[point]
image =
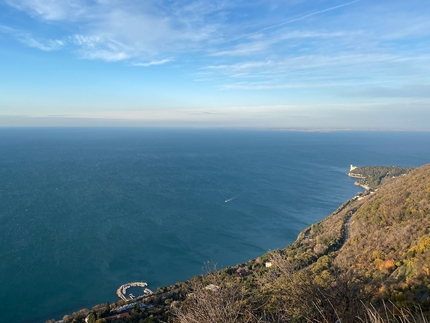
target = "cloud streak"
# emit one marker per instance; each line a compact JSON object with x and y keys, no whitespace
{"x":153,"y":63}
{"x":298,"y":19}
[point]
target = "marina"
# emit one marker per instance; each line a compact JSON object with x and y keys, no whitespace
{"x":121,"y":292}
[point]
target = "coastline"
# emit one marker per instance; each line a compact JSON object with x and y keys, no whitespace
{"x":123,"y":305}
{"x":355,"y":175}
{"x":370,"y":177}
{"x":357,"y":183}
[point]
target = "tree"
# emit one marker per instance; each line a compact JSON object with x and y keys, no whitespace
{"x":92,"y":318}
{"x":107,"y":308}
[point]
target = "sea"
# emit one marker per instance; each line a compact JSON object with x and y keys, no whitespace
{"x":85,"y":210}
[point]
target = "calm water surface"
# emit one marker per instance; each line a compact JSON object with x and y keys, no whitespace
{"x":83,"y":211}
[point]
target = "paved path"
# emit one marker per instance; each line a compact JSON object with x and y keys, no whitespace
{"x":346,"y":227}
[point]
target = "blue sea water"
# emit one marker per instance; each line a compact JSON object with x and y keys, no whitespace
{"x":83,"y":211}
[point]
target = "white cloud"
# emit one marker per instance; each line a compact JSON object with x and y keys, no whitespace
{"x":120,"y":30}
{"x":152,"y":63}
{"x":310,"y":47}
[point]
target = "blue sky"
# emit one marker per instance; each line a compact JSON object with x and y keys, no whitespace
{"x":273,"y":64}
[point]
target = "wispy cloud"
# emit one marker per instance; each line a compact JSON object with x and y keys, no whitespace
{"x":245,"y":49}
{"x":258,"y":45}
{"x":351,"y":72}
{"x":314,"y":62}
{"x":45,"y":45}
{"x":244,"y":45}
{"x":241,"y":66}
{"x":51,"y":10}
{"x":97,"y":47}
{"x":152,"y":63}
{"x":29,"y":40}
{"x":121,"y":30}
{"x":125,"y":30}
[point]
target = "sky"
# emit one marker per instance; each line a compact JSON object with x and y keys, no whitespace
{"x":292,"y":64}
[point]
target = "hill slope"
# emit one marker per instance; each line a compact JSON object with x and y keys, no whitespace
{"x":390,"y":238}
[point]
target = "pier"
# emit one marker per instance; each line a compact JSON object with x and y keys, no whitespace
{"x":122,"y":290}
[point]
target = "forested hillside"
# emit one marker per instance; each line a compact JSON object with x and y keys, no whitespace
{"x":372,"y":176}
{"x":390,"y":239}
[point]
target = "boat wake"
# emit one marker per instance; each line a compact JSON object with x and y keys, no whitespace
{"x":233,"y":198}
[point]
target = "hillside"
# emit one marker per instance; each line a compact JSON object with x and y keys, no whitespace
{"x":373,"y":248}
{"x":390,"y":240}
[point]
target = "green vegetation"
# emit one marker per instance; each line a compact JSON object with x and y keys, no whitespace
{"x":373,"y":176}
{"x":368,"y":261}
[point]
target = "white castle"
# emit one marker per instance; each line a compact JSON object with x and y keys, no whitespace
{"x":352,"y":168}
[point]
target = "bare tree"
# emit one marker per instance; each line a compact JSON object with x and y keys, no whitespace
{"x":214,"y":300}
{"x":327,"y":296}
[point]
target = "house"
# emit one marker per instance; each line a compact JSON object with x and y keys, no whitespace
{"x":212,"y":287}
